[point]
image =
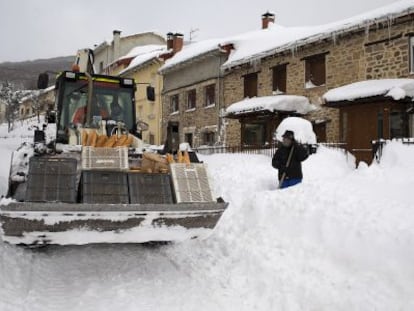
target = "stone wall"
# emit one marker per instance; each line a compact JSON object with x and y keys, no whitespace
{"x":380,"y":53}
{"x":197,"y":120}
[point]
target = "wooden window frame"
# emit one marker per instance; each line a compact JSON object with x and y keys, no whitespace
{"x":207,"y":141}
{"x":279,"y":78}
{"x":191,"y":96}
{"x":315,"y":77}
{"x":174,"y":105}
{"x":250,"y":90}
{"x":210,"y":91}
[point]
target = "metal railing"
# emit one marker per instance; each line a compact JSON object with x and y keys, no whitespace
{"x":268,"y":150}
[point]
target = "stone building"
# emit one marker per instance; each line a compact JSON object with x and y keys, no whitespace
{"x":192,"y":92}
{"x":312,"y":61}
{"x":38,"y":101}
{"x":272,"y":64}
{"x":108,"y":51}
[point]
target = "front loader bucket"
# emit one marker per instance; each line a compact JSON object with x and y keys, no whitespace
{"x":32,"y":223}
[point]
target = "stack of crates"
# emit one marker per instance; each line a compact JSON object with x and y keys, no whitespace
{"x":191,"y":183}
{"x":150,"y":188}
{"x":104,"y":179}
{"x":51,"y":180}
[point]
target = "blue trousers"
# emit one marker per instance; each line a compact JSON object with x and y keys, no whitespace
{"x":290,"y":182}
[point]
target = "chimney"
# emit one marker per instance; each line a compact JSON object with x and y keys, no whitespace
{"x":178,"y":42}
{"x":267,"y":18}
{"x":170,"y":39}
{"x":117,"y":44}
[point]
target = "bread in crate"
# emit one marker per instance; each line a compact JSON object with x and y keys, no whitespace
{"x":103,"y":158}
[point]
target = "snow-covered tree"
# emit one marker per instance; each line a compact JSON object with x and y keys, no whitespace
{"x":12,"y":100}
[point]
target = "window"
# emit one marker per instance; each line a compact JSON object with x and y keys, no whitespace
{"x":209,"y":138}
{"x":210,"y":98}
{"x":101,"y":67}
{"x":315,"y":71}
{"x":174,"y":103}
{"x":279,"y":79}
{"x":188,"y":137}
{"x":254,"y":134}
{"x":191,"y":99}
{"x":398,"y":124}
{"x":151,"y":139}
{"x":412,"y":54}
{"x":250,"y":85}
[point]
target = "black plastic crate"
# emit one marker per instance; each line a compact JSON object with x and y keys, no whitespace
{"x":104,"y":187}
{"x":51,"y":180}
{"x":150,"y":188}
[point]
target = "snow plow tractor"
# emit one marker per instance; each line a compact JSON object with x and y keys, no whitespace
{"x":94,"y":183}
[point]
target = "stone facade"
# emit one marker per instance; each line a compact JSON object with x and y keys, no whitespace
{"x":203,"y":123}
{"x":382,"y":52}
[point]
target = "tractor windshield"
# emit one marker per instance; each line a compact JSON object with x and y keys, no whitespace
{"x":109,"y":102}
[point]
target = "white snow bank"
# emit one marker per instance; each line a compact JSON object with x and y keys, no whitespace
{"x":302,"y":129}
{"x":290,"y":103}
{"x":394,"y":88}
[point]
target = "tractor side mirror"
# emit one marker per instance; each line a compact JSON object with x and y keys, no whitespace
{"x":42,"y":81}
{"x":150,"y":93}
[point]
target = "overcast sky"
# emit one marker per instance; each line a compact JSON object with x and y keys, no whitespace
{"x":32,"y":29}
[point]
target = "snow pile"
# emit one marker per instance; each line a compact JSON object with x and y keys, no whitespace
{"x":290,"y":103}
{"x":394,"y":88}
{"x":191,"y":51}
{"x":302,"y":129}
{"x":142,"y":59}
{"x":341,"y":240}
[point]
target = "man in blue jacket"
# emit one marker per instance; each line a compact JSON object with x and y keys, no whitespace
{"x":288,"y":161}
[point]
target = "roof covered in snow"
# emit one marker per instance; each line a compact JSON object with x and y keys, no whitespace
{"x":288,"y":103}
{"x":395,"y":88}
{"x":143,"y":55}
{"x":143,"y":49}
{"x":257,"y":44}
{"x":192,"y":51}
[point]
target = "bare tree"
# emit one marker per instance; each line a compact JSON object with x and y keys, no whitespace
{"x":12,"y":100}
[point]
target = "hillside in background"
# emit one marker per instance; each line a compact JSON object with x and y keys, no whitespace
{"x":24,"y":74}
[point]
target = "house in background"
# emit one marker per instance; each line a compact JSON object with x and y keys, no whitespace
{"x":37,"y":102}
{"x":107,"y":52}
{"x":310,"y":61}
{"x":192,"y":92}
{"x":142,"y":64}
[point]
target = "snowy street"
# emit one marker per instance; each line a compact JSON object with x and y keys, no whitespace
{"x":342,"y":240}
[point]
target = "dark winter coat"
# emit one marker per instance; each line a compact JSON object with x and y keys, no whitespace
{"x":294,"y":171}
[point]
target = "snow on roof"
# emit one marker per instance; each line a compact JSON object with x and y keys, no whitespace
{"x":395,"y":88}
{"x":50,"y":88}
{"x":289,"y":103}
{"x":276,"y":38}
{"x":142,"y":59}
{"x":264,"y":42}
{"x":191,"y":51}
{"x":143,"y":49}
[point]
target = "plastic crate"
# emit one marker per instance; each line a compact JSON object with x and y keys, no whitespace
{"x":51,"y":180}
{"x":101,"y":158}
{"x":191,"y":183}
{"x":150,"y":188}
{"x":104,"y":187}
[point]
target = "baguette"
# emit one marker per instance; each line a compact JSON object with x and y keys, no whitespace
{"x":92,"y":137}
{"x":110,"y":142}
{"x":121,"y":141}
{"x":84,"y":138}
{"x":100,"y":142}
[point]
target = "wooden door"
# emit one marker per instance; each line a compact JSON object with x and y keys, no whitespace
{"x":320,"y":131}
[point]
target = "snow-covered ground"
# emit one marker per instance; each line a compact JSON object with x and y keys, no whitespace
{"x":342,"y":240}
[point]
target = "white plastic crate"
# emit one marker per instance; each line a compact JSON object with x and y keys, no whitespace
{"x":102,"y":158}
{"x":191,"y":183}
